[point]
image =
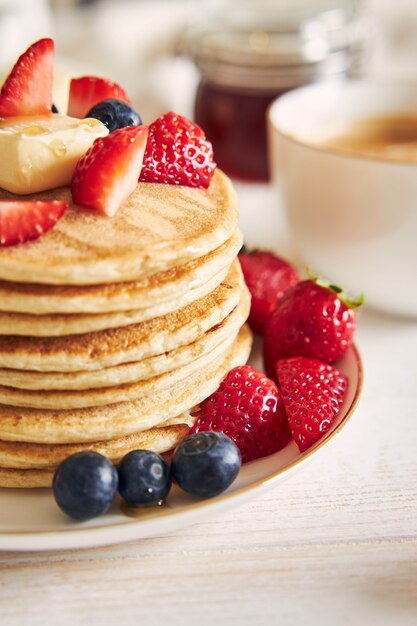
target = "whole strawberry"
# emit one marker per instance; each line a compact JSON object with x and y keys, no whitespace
{"x":248,"y":408}
{"x":313,"y":394}
{"x":311,"y":320}
{"x":177,"y":153}
{"x":268,"y":277}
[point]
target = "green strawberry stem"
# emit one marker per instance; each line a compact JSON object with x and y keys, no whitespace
{"x":341,"y":294}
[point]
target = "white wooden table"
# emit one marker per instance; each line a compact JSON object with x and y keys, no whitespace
{"x":335,"y":544}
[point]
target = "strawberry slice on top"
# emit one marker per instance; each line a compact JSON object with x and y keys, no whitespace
{"x":313,"y":394}
{"x":28,"y":88}
{"x":23,"y":220}
{"x":87,"y":91}
{"x":177,"y":153}
{"x":108,"y":172}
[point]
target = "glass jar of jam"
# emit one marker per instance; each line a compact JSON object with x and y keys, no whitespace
{"x":249,"y":52}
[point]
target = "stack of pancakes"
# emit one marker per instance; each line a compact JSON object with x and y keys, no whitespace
{"x":113,"y":329}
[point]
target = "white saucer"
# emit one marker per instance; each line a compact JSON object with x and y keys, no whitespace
{"x":30,"y":519}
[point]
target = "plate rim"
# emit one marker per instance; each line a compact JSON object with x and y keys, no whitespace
{"x":101,"y":534}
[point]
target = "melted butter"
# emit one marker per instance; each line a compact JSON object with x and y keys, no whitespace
{"x":34,"y":130}
{"x":58,"y":147}
{"x":91,"y":122}
{"x":42,"y":150}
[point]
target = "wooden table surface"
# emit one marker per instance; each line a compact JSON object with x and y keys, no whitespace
{"x":335,"y":544}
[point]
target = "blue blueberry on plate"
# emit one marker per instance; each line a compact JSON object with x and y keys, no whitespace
{"x":144,"y":478}
{"x":84,"y":485}
{"x":115,"y":114}
{"x":206,"y":463}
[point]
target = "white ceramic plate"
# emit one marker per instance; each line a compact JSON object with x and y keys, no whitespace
{"x":30,"y":519}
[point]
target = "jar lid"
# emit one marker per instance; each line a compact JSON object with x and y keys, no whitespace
{"x":260,"y":43}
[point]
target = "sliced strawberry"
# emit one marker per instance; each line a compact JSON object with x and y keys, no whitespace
{"x":177,"y":153}
{"x":22,"y":220}
{"x":108,"y":172}
{"x":28,"y":88}
{"x":313,"y":394}
{"x":87,"y":91}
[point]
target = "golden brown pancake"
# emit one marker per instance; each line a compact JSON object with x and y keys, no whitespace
{"x":117,"y":393}
{"x":25,"y":479}
{"x":221,"y":334}
{"x":92,"y":351}
{"x":123,"y":418}
{"x":120,"y":326}
{"x":64,"y":324}
{"x":159,"y":226}
{"x":158,"y":440}
{"x":48,"y":456}
{"x":171,"y":285}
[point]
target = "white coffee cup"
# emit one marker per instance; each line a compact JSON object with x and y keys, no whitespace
{"x":353,"y":218}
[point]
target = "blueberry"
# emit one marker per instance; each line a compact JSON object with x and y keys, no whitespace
{"x":54,"y":109}
{"x":115,"y":114}
{"x":206,"y":463}
{"x":84,"y":485}
{"x":144,"y":478}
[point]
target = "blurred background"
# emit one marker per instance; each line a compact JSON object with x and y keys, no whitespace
{"x":138,"y":42}
{"x":220,"y":62}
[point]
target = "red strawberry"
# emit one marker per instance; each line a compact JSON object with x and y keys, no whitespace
{"x":268,"y":278}
{"x":248,"y":408}
{"x":313,"y":393}
{"x":22,"y":220}
{"x":311,"y":320}
{"x":177,"y":153}
{"x":28,"y":88}
{"x":87,"y":91}
{"x":108,"y":172}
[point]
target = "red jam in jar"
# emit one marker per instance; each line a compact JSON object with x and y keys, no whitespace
{"x":249,"y":56}
{"x":234,"y":121}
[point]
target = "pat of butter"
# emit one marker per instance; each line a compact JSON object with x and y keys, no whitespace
{"x":40,"y":153}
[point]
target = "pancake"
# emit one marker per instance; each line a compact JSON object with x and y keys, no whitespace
{"x":93,"y":351}
{"x":60,"y":325}
{"x":222,"y":334}
{"x":48,"y":456}
{"x":159,"y":226}
{"x":117,"y":393}
{"x":157,"y":439}
{"x":25,"y":479}
{"x":170,"y":285}
{"x":123,"y":418}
